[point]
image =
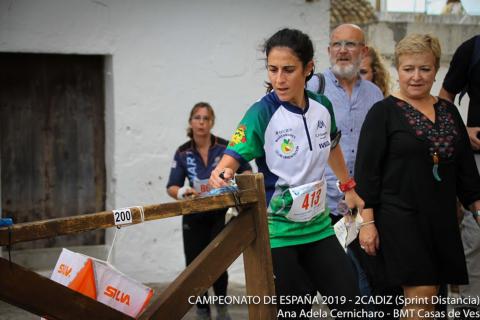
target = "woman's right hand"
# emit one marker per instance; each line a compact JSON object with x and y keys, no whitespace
{"x":216,"y":180}
{"x":227,"y":167}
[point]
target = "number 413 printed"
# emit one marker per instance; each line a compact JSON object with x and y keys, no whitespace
{"x":312,"y":199}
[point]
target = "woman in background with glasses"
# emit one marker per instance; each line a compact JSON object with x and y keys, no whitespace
{"x":195,"y":160}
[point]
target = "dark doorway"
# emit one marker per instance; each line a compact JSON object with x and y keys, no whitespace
{"x":52,"y":137}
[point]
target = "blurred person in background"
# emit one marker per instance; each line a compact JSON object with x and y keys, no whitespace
{"x":195,"y":160}
{"x":453,"y":7}
{"x":374,"y":69}
{"x":463,"y":77}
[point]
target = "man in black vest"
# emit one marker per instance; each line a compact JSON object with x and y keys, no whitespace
{"x":462,"y":77}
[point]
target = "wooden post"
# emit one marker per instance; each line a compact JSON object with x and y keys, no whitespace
{"x":257,"y":257}
{"x":174,"y":302}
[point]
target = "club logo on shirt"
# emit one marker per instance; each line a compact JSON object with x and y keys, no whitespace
{"x":238,"y":136}
{"x":287,"y":148}
{"x":321,"y":130}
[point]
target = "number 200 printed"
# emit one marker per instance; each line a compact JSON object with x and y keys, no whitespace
{"x":122,"y":216}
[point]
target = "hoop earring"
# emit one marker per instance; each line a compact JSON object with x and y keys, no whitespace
{"x":310,"y":75}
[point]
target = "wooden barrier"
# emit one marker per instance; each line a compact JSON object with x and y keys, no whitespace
{"x":247,"y":234}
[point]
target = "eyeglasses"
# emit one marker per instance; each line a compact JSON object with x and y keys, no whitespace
{"x":200,"y":118}
{"x":348,"y":44}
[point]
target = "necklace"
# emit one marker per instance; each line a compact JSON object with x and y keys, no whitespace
{"x":440,"y":135}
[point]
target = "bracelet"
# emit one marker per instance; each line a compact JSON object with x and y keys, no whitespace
{"x":347,"y":186}
{"x":365,"y":223}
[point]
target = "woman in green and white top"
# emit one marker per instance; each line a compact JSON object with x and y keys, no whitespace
{"x":291,"y":134}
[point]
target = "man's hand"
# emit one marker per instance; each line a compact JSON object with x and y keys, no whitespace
{"x":473,"y":136}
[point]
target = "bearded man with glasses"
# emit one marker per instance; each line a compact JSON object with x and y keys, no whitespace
{"x":351,"y":98}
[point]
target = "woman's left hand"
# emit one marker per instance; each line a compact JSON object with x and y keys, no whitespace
{"x":369,"y":240}
{"x":368,"y":236}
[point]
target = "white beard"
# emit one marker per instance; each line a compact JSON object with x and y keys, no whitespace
{"x":345,"y":72}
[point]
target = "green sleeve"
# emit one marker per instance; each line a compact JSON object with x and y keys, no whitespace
{"x":249,"y":137}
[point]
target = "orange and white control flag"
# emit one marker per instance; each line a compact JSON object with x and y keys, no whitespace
{"x":98,"y":280}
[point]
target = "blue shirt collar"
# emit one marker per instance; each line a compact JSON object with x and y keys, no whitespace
{"x":289,"y":106}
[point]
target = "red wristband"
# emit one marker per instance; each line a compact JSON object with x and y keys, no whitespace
{"x":347,"y":186}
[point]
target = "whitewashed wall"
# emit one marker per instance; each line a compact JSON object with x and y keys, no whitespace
{"x":162,"y":57}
